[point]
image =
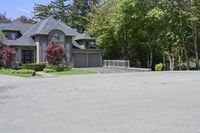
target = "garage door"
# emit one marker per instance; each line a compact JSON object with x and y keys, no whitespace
{"x":80,"y":60}
{"x":94,"y":60}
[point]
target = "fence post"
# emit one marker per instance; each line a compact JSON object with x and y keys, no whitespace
{"x":116,"y":63}
{"x":128,"y":64}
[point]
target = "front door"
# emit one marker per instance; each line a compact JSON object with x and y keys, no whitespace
{"x":27,"y":56}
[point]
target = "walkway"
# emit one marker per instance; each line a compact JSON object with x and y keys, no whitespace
{"x":45,"y":74}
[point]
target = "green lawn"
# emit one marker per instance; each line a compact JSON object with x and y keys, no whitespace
{"x":74,"y":72}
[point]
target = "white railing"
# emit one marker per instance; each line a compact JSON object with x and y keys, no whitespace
{"x":116,"y":63}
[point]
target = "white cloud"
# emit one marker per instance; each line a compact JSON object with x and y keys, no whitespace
{"x":24,"y":10}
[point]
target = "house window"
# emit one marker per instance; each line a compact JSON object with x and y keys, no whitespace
{"x":27,"y":56}
{"x":11,"y":35}
{"x":56,"y":36}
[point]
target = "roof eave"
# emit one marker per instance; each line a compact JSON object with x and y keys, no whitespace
{"x":48,"y":34}
{"x":22,"y":45}
{"x":85,"y":39}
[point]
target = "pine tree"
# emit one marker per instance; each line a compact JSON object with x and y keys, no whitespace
{"x":79,"y":10}
{"x":56,"y":8}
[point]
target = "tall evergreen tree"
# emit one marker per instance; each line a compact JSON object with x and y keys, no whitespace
{"x":78,"y":15}
{"x":42,"y":11}
{"x":56,"y":8}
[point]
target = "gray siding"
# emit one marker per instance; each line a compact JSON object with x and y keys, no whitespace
{"x":43,"y":40}
{"x":68,"y":49}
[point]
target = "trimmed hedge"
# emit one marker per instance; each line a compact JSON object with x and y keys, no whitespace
{"x":54,"y":69}
{"x":57,"y":68}
{"x":20,"y":71}
{"x":36,"y":67}
{"x":49,"y":70}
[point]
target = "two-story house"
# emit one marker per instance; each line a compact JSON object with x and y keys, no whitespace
{"x":31,"y":40}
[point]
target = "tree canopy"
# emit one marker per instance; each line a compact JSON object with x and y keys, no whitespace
{"x":149,"y":32}
{"x":72,"y":13}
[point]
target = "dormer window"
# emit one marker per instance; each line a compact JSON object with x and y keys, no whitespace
{"x":56,"y":36}
{"x":11,"y":35}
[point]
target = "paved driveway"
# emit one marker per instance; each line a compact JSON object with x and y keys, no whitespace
{"x":108,"y":70}
{"x":102,"y":103}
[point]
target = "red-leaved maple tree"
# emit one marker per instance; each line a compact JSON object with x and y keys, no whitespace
{"x":7,"y":55}
{"x":54,"y":54}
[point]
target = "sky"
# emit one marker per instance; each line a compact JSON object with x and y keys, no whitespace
{"x":16,"y":8}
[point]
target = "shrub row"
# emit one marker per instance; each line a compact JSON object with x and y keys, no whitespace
{"x":54,"y":69}
{"x":49,"y":70}
{"x":36,"y":67}
{"x":20,"y":71}
{"x":57,"y":68}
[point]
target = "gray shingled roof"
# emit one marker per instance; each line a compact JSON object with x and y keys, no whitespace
{"x":25,"y":40}
{"x":15,"y":26}
{"x":41,"y":28}
{"x":45,"y":26}
{"x":83,"y":36}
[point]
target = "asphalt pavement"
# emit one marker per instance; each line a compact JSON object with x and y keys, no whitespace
{"x":143,"y":102}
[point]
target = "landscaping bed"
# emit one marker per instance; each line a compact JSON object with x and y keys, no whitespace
{"x":61,"y":71}
{"x":21,"y":72}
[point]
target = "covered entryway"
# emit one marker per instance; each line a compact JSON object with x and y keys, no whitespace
{"x":87,"y":58}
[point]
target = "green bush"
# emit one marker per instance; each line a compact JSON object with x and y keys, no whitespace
{"x":36,"y":67}
{"x":48,"y":70}
{"x":57,"y":68}
{"x":159,"y":67}
{"x":20,"y":71}
{"x":183,"y":67}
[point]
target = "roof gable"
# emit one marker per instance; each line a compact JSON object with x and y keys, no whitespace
{"x":15,"y":26}
{"x":45,"y":26}
{"x":83,"y":36}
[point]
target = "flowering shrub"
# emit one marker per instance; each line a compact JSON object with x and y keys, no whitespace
{"x":7,"y":55}
{"x":54,"y":54}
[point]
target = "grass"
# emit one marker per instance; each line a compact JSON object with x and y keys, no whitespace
{"x":74,"y":72}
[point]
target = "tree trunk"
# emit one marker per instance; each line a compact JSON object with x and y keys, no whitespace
{"x":164,"y":58}
{"x":151,"y":57}
{"x":195,"y":44}
{"x":186,"y":56}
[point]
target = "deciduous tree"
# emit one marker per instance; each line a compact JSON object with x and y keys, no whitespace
{"x":8,"y":55}
{"x":54,"y":54}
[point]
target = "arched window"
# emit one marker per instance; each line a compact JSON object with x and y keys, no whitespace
{"x":56,"y":36}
